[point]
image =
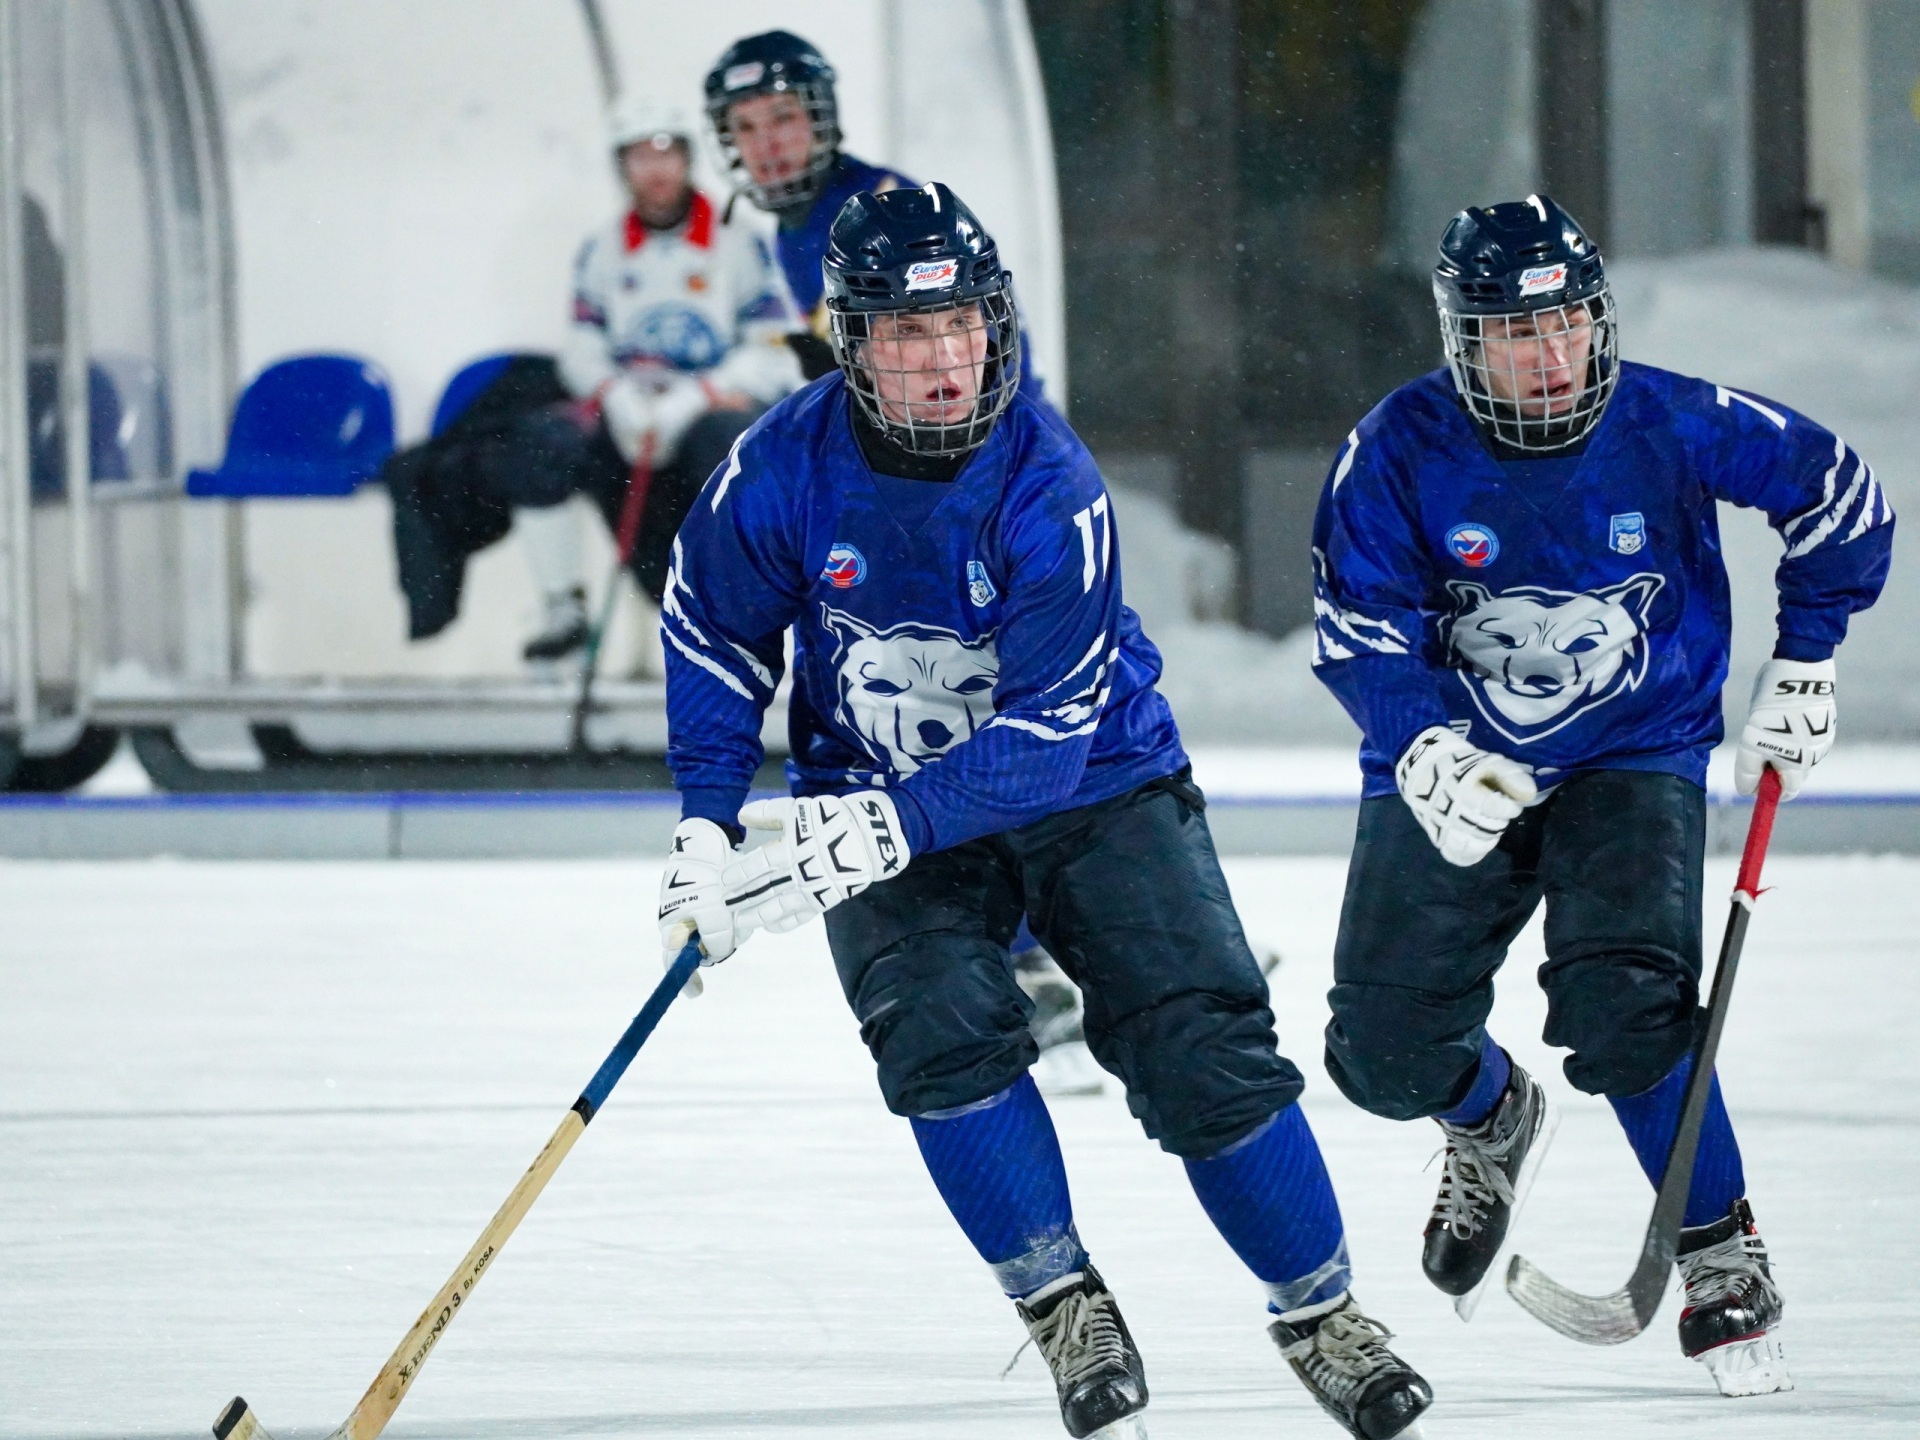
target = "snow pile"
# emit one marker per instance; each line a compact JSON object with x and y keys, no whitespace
{"x":1843,"y":349}
{"x":1840,"y":347}
{"x":1225,"y":684}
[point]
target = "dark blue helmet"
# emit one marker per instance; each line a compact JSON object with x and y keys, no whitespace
{"x":922,"y":317}
{"x":776,"y":63}
{"x":1524,"y":305}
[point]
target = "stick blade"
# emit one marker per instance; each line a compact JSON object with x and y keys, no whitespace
{"x":1591,"y":1319}
{"x":238,"y":1422}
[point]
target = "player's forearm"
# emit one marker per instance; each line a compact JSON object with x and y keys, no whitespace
{"x":762,"y":366}
{"x":1392,"y":698}
{"x":586,"y":361}
{"x":1820,"y":591}
{"x":714,"y":717}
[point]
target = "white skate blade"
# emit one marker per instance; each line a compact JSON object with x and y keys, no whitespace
{"x":1748,"y":1367}
{"x":1465,"y":1305}
{"x":1128,"y":1427}
{"x":1068,"y":1069}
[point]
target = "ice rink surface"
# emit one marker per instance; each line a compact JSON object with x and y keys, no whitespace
{"x":254,"y":1113}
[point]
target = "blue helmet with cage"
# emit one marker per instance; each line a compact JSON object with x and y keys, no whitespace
{"x":777,"y":62}
{"x":921,"y":316}
{"x":1527,"y":322}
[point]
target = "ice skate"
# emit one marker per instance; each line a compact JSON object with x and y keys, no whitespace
{"x":564,"y":630}
{"x":1343,"y":1360}
{"x":1489,"y":1170}
{"x":1731,"y":1323}
{"x":1066,"y":1066}
{"x":1076,"y":1326}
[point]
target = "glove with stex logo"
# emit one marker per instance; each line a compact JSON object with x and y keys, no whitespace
{"x":830,"y":848}
{"x":693,"y":896}
{"x":1789,"y":726}
{"x":1464,"y":797}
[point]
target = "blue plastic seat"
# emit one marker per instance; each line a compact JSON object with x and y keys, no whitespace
{"x":312,"y":425}
{"x":466,"y":386}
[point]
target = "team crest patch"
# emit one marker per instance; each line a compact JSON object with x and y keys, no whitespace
{"x":1536,"y":660}
{"x":932,"y":274}
{"x":846,"y":567}
{"x":979,"y":588}
{"x":910,"y":692}
{"x":1474,"y":546}
{"x":1627,"y":534}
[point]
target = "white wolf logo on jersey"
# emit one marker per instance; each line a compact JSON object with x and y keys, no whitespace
{"x":911,"y":692}
{"x":1539,"y":659}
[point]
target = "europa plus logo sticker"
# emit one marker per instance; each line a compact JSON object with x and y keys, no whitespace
{"x":1474,"y":546}
{"x":846,"y":567}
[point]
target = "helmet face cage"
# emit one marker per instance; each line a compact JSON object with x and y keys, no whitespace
{"x":889,"y":378}
{"x":823,"y":118}
{"x":1500,"y":359}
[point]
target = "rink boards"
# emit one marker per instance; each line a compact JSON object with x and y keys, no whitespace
{"x":608,"y":824}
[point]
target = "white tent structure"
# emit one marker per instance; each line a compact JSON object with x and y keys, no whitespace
{"x":219,"y":184}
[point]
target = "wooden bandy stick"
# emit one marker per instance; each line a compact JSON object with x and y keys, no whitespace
{"x":390,"y":1386}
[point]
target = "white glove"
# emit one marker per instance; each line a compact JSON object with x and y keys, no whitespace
{"x":693,"y":896}
{"x":1463,"y":796}
{"x":831,"y":847}
{"x":645,"y":402}
{"x":1790,"y":724}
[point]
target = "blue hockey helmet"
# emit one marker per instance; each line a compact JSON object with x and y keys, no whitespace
{"x":777,"y":62}
{"x":1527,"y":322}
{"x":921,"y":316}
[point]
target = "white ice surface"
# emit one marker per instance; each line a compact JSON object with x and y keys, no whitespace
{"x":254,"y":1113}
{"x":1269,"y":772}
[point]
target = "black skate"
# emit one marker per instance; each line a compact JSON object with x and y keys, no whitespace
{"x":565,"y":630}
{"x":1075,"y":1323}
{"x":1732,"y":1319}
{"x":1065,"y":1066}
{"x":1489,"y":1170}
{"x":1343,"y":1360}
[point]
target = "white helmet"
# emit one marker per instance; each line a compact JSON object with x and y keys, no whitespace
{"x":638,"y":117}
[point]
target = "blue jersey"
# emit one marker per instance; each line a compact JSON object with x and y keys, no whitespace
{"x":802,"y":246}
{"x":975,"y":660}
{"x":1573,"y":612}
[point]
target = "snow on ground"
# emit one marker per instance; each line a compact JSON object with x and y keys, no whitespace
{"x":254,"y":1113}
{"x":1842,"y":347}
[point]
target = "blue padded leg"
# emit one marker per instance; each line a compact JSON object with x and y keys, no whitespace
{"x":1271,"y":1199}
{"x":1651,"y":1117}
{"x":1489,"y":1084}
{"x":997,"y":1165}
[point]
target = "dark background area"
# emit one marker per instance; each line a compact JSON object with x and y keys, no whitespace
{"x":1224,"y":167}
{"x":1236,"y":297}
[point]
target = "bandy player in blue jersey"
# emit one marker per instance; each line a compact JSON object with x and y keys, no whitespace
{"x":1520,"y":600}
{"x":775,"y":114}
{"x":771,"y":102}
{"x":976,"y":734}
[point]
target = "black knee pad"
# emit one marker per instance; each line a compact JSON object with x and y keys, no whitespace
{"x":1627,"y":1018}
{"x":945,"y":1022}
{"x":1402,"y":1053}
{"x":1201,"y":1069}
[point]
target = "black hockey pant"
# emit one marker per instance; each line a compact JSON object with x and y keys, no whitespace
{"x":549,"y":456}
{"x":1128,"y":896}
{"x":1615,"y":854}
